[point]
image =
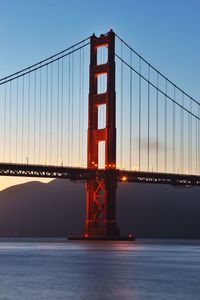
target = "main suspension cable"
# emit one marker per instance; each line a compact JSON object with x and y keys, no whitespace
{"x":153,"y":85}
{"x":40,"y":63}
{"x":156,"y":70}
{"x":39,"y":67}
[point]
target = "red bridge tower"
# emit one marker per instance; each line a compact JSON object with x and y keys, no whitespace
{"x":101,"y":192}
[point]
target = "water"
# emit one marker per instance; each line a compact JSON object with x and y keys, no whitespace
{"x":59,"y":269}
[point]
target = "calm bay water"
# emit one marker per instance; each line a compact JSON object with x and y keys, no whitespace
{"x":60,"y":269}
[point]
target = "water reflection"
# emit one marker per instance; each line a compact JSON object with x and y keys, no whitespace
{"x":58,"y":269}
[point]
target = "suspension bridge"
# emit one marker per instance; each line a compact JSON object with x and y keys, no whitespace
{"x":99,"y":112}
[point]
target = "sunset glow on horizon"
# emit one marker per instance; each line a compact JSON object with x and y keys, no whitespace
{"x":6,"y":182}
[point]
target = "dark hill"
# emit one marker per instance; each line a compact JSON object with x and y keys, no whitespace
{"x":58,"y":209}
{"x":38,"y":209}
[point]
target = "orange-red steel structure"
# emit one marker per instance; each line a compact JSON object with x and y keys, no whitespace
{"x":101,"y":191}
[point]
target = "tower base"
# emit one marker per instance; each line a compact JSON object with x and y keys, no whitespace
{"x":102,"y":238}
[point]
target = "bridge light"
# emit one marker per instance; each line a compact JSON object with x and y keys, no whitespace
{"x":124,"y":178}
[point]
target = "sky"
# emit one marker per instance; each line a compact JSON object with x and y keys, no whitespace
{"x":165,"y":32}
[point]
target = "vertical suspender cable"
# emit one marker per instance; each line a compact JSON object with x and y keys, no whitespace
{"x":198,"y":139}
{"x":79,"y":110}
{"x":157,"y":94}
{"x":148,"y":115}
{"x":121,"y":117}
{"x":10,"y":120}
{"x":69,"y":109}
{"x":72,"y":126}
{"x":83,"y":83}
{"x":140,"y":92}
{"x":34,"y":114}
{"x":165,"y":134}
{"x":5,"y":114}
{"x":58,"y":109}
{"x":61,"y":126}
{"x":188,"y":147}
{"x":40,"y":114}
{"x":182,"y":136}
{"x":131,"y":99}
{"x":82,"y":104}
{"x":28,"y":119}
{"x":16,"y":128}
{"x":22,"y":145}
{"x":46,"y":110}
{"x":189,"y":140}
{"x":173,"y":132}
{"x":196,"y":146}
{"x":51,"y":113}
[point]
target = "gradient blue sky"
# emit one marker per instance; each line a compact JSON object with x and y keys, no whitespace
{"x":167,"y":33}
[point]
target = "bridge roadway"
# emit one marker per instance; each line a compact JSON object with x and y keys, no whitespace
{"x":81,"y":174}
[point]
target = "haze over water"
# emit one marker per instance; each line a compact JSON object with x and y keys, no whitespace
{"x":60,"y":269}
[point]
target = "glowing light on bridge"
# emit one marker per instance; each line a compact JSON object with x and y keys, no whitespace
{"x":124,"y":178}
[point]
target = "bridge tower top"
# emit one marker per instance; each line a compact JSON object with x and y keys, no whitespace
{"x":108,"y":98}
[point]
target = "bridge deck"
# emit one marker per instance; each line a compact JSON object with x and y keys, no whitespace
{"x":78,"y":174}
